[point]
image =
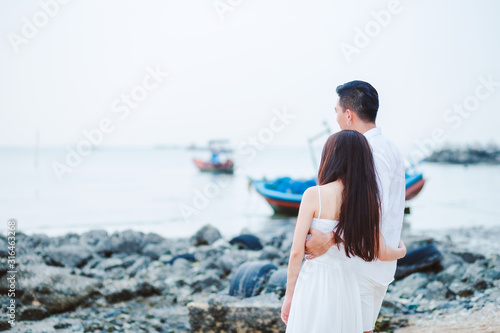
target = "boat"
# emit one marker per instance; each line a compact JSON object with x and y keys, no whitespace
{"x":284,"y":194}
{"x":216,"y":164}
{"x":204,"y":166}
{"x":414,"y":184}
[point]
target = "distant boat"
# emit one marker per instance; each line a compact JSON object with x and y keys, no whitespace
{"x":285,"y":194}
{"x":226,"y":167}
{"x":217,"y":148}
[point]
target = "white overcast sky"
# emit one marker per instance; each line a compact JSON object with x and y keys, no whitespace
{"x":227,"y":76}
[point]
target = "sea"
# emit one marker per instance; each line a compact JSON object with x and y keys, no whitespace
{"x":160,"y":190}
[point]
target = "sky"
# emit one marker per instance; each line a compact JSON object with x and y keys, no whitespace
{"x":197,"y":70}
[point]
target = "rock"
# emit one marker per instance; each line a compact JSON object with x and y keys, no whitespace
{"x":229,"y":314}
{"x":146,"y":289}
{"x":55,"y":288}
{"x":126,"y":242}
{"x":155,"y":251}
{"x":3,"y":248}
{"x":32,"y":313}
{"x":94,"y":237}
{"x":277,"y":282}
{"x":493,"y":274}
{"x":153,"y":238}
{"x":461,"y":289}
{"x":407,"y":287}
{"x":182,"y":266}
{"x":4,"y":266}
{"x":276,"y":241}
{"x":437,"y":290}
{"x":221,"y":243}
{"x":67,"y":255}
{"x":68,"y":239}
{"x":187,"y":256}
{"x":130,"y":260}
{"x":206,"y":282}
{"x":139,"y":264}
{"x":32,"y":242}
{"x":451,"y":273}
{"x":205,"y":236}
{"x":421,"y":259}
{"x":475,"y":271}
{"x":109,"y":264}
{"x":247,"y":242}
{"x":117,"y":291}
{"x":269,"y":253}
{"x":469,"y":257}
{"x":4,"y":323}
{"x":250,"y":278}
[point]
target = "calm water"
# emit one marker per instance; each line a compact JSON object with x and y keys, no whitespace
{"x":148,"y":190}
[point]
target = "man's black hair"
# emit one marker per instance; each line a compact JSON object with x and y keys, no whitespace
{"x":360,"y":97}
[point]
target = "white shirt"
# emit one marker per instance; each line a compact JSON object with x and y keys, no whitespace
{"x":390,"y":169}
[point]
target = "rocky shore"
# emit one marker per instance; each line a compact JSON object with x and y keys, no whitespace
{"x":469,"y":155}
{"x":135,"y":282}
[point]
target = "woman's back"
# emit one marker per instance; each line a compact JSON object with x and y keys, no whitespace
{"x":329,"y":202}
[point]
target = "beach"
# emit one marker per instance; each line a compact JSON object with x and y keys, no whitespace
{"x":140,"y":282}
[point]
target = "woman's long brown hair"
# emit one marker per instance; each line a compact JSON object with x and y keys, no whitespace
{"x":347,"y":157}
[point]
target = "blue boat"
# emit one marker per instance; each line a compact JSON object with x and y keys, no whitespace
{"x":284,"y":194}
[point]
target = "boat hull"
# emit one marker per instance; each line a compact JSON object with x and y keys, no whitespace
{"x":226,"y":167}
{"x":286,"y":203}
{"x":414,"y":189}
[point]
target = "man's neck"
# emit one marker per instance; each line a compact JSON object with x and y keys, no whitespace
{"x":363,"y":127}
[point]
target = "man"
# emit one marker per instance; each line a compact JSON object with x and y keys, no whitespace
{"x":356,"y":109}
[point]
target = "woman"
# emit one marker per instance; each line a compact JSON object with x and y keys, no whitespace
{"x":325,"y":297}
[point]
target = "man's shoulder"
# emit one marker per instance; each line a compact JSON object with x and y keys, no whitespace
{"x":385,"y":146}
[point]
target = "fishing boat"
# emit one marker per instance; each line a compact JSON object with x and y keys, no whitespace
{"x":414,"y":184}
{"x":204,"y":166}
{"x":284,"y":194}
{"x":220,"y":162}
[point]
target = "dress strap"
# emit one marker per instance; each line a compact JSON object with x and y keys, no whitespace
{"x":319,"y":194}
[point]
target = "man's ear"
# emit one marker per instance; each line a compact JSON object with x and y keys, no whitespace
{"x":349,"y":115}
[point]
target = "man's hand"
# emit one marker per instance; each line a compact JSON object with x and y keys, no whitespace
{"x":318,"y":243}
{"x":402,"y":246}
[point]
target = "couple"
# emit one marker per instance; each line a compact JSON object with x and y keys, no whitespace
{"x":348,"y":226}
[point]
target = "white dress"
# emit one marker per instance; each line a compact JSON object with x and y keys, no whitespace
{"x":326,"y":296}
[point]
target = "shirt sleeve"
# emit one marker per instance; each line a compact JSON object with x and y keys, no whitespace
{"x":384,"y":176}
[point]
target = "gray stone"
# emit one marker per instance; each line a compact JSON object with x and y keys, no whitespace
{"x":68,"y":255}
{"x":139,"y":264}
{"x":436,"y":290}
{"x":454,"y":272}
{"x":94,"y":237}
{"x":55,"y":288}
{"x":269,"y":253}
{"x":155,"y":251}
{"x":229,"y":314}
{"x":206,"y":282}
{"x":461,"y":289}
{"x":126,"y":242}
{"x":32,"y":313}
{"x":109,"y":264}
{"x":119,"y":290}
{"x":205,"y":236}
{"x":407,"y":287}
